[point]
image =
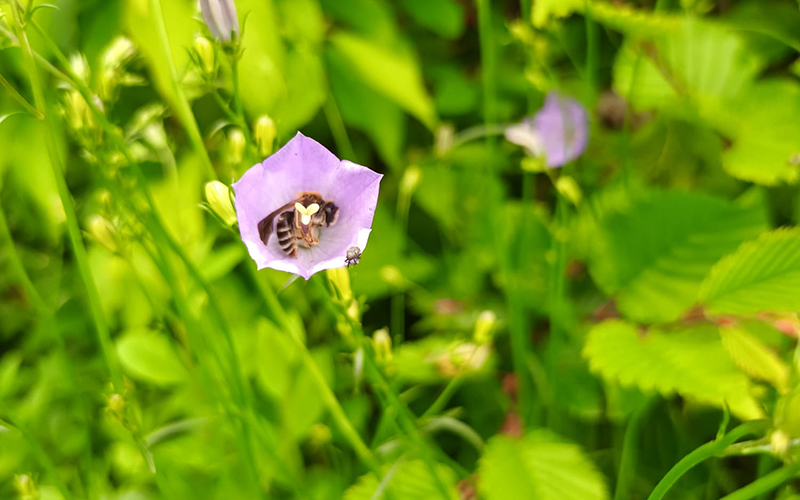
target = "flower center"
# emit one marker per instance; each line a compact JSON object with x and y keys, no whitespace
{"x":306,"y":212}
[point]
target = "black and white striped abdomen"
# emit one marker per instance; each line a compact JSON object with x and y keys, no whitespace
{"x":284,"y":230}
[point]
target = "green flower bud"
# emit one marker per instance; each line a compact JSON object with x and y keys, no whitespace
{"x":568,"y":188}
{"x":116,"y":405}
{"x":780,"y":442}
{"x":392,"y":275}
{"x":103,"y":232}
{"x":484,"y":327}
{"x":206,"y":55}
{"x":79,"y":116}
{"x":218,"y":196}
{"x":411,"y":178}
{"x":26,"y":488}
{"x":383,"y":345}
{"x":265,"y":132}
{"x":236,"y":146}
{"x":340,"y":280}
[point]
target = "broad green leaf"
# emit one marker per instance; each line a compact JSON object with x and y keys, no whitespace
{"x":365,"y":109}
{"x":406,"y":479}
{"x":754,"y":358}
{"x":761,"y":275}
{"x":542,"y":466}
{"x":765,"y":132}
{"x":692,"y":363}
{"x":392,"y":72}
{"x":148,"y":356}
{"x":653,"y":255}
{"x":443,"y":17}
{"x":632,"y":21}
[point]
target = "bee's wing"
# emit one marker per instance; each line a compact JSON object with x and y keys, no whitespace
{"x":265,"y":226}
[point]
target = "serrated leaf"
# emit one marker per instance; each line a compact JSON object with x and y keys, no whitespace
{"x":544,"y":10}
{"x":761,"y":275}
{"x":754,"y":358}
{"x":391,"y":72}
{"x":653,"y":254}
{"x":149,"y":357}
{"x":691,"y":362}
{"x":409,"y":480}
{"x":542,"y":466}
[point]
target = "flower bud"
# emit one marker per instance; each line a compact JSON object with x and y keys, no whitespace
{"x":340,"y":281}
{"x":445,"y":136}
{"x":383,"y":345}
{"x":236,"y":146}
{"x":392,"y":275}
{"x":410,"y":181}
{"x":220,"y":17}
{"x":103,"y":232}
{"x":80,"y":66}
{"x":568,"y":188}
{"x":483,"y":327}
{"x":206,"y":55}
{"x":79,"y":116}
{"x":116,"y":405}
{"x":26,"y":488}
{"x":780,"y":443}
{"x":265,"y":132}
{"x":218,"y":196}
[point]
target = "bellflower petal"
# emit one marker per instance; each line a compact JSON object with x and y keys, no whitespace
{"x":220,"y":17}
{"x":302,"y":165}
{"x":563,"y":127}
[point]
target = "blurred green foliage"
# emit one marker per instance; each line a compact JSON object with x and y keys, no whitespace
{"x":644,"y":297}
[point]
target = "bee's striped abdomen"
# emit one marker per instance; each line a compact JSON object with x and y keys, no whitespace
{"x":284,"y":229}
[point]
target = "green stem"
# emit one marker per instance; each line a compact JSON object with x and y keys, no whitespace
{"x":630,"y":451}
{"x":443,"y":398}
{"x":767,"y":483}
{"x":184,"y":108}
{"x":702,"y":453}
{"x":18,"y":97}
{"x":73,"y":229}
{"x":339,"y":131}
{"x":488,"y":61}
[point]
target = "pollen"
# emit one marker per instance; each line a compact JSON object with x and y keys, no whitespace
{"x":306,"y":212}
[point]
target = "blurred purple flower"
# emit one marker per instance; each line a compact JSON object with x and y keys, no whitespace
{"x":559,"y":131}
{"x":220,"y":17}
{"x":328,"y":205}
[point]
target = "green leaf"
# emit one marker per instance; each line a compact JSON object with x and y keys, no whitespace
{"x":765,"y":133}
{"x":754,"y":358}
{"x":443,"y":17}
{"x":692,"y":363}
{"x":542,"y":466}
{"x":406,"y":479}
{"x":653,"y":254}
{"x":392,"y":72}
{"x":150,"y":357}
{"x":761,"y":275}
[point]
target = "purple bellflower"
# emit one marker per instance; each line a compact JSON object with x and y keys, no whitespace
{"x":302,"y":209}
{"x":220,"y":17}
{"x":559,"y":131}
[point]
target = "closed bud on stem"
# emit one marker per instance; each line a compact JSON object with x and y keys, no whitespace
{"x":116,"y":406}
{"x":218,"y":196}
{"x":265,"y":133}
{"x":484,"y":327}
{"x":383,"y":345}
{"x":26,"y":488}
{"x":568,"y":188}
{"x":410,"y":181}
{"x":206,"y":55}
{"x":339,"y":279}
{"x":236,"y":146}
{"x":220,"y":17}
{"x":780,"y":442}
{"x":103,"y":232}
{"x":79,"y":116}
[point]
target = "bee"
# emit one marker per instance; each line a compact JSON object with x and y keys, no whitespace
{"x":298,"y":222}
{"x":353,"y":255}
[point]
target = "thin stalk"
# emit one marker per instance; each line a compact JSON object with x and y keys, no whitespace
{"x":444,"y":397}
{"x":592,"y":55}
{"x":184,"y":108}
{"x":767,"y":483}
{"x":339,"y":131}
{"x":18,"y":97}
{"x":699,"y":455}
{"x":73,"y":229}
{"x":630,"y":451}
{"x":488,"y":62}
